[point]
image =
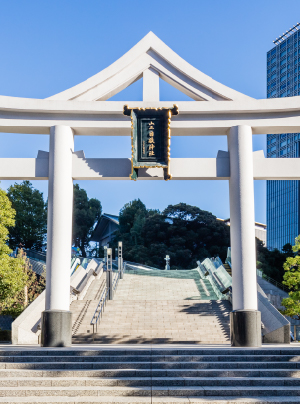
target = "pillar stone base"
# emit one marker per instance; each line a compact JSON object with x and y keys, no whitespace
{"x":245,"y":328}
{"x":56,"y":328}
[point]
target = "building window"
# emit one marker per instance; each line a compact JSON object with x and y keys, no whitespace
{"x":283,"y":78}
{"x":283,"y":54}
{"x":273,"y":76}
{"x":273,"y":51}
{"x":283,"y":62}
{"x":273,"y":148}
{"x":283,"y":70}
{"x":283,"y":144}
{"x":273,"y":140}
{"x":283,"y":152}
{"x":282,"y":87}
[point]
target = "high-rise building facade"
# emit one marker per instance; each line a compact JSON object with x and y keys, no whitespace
{"x":283,"y":80}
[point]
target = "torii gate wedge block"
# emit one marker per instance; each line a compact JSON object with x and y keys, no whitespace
{"x":245,"y":319}
{"x":57,"y":318}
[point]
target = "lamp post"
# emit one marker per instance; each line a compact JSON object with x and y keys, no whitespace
{"x":120,"y":259}
{"x":109,"y":273}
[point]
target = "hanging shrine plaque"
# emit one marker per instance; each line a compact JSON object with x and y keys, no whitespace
{"x":150,"y":138}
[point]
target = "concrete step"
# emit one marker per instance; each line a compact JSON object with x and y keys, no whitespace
{"x":186,"y":359}
{"x":140,"y":351}
{"x":149,"y":365}
{"x":152,"y":400}
{"x":147,"y":381}
{"x":158,"y":373}
{"x":95,"y":391}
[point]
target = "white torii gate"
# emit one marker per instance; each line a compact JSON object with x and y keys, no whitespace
{"x":216,"y":110}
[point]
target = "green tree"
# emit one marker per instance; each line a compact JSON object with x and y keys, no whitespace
{"x":33,"y":287}
{"x":13,"y":278}
{"x":184,"y":232}
{"x":86,"y":212}
{"x":270,"y":262}
{"x":31,"y":216}
{"x":292,"y":280}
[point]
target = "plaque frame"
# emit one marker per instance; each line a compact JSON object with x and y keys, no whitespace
{"x":136,"y":164}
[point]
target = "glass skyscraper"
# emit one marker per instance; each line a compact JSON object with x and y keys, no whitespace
{"x":283,"y":80}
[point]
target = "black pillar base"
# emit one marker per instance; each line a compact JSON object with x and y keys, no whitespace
{"x":56,"y":328}
{"x":245,"y":328}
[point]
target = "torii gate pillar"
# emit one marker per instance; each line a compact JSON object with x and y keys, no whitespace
{"x":245,"y":319}
{"x":57,"y":318}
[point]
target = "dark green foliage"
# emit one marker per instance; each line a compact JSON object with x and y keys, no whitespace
{"x":31,"y":216}
{"x":184,"y":232}
{"x":271,"y":262}
{"x":86,"y":213}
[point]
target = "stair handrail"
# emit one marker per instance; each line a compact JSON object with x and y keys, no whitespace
{"x":116,"y":280}
{"x":274,"y":282}
{"x":101,"y":306}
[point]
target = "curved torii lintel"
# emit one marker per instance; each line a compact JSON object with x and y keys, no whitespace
{"x":150,"y":53}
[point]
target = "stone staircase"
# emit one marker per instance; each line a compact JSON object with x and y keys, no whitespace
{"x":149,"y":375}
{"x":167,"y":308}
{"x":83,"y":310}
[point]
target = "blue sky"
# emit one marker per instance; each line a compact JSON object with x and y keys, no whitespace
{"x":47,"y":47}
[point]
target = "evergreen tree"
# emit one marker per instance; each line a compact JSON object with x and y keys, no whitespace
{"x":86,"y":213}
{"x":13,"y":278}
{"x":292,"y":280}
{"x":31,"y":216}
{"x":184,"y":232}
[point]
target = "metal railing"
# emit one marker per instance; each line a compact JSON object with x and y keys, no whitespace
{"x":99,"y":309}
{"x":273,"y":281}
{"x":116,"y":280}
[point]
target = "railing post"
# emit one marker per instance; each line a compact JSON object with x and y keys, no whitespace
{"x":109,"y":274}
{"x":105,"y":254}
{"x":120,"y":259}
